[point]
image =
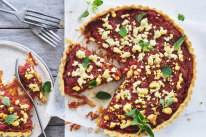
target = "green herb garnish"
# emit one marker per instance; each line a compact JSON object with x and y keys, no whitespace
{"x":166,"y":103}
{"x":179,"y":42}
{"x":166,"y":71}
{"x":140,"y":121}
{"x":84,"y":14}
{"x":181,"y":17}
{"x":9,"y":119}
{"x":6,"y":101}
{"x":140,"y":16}
{"x":46,"y":87}
{"x":103,"y":95}
{"x":85,"y":62}
{"x":92,"y":83}
{"x":123,"y":32}
{"x":95,"y":5}
{"x":145,"y":45}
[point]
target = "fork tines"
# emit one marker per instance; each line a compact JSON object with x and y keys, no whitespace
{"x":41,"y":20}
{"x":50,"y":37}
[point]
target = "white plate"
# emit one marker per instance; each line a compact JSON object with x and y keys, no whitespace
{"x":9,"y":52}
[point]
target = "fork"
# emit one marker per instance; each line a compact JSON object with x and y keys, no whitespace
{"x":47,"y":35}
{"x":33,"y":17}
{"x":35,"y":107}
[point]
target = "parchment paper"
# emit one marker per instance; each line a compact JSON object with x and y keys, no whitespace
{"x":194,"y":28}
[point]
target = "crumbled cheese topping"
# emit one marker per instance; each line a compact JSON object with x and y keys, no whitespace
{"x":34,"y":87}
{"x":80,"y":54}
{"x":30,"y":73}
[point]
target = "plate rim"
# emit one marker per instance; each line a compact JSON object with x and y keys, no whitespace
{"x":15,"y":44}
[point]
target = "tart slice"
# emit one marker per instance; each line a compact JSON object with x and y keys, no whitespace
{"x":15,"y":107}
{"x":81,"y":69}
{"x":31,"y":81}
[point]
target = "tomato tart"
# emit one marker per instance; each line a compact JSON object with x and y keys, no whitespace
{"x":15,"y":107}
{"x":31,"y":80}
{"x":159,"y":64}
{"x":81,"y":69}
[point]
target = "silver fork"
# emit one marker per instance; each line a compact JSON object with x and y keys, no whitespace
{"x":35,"y":107}
{"x":33,"y":17}
{"x":47,"y":35}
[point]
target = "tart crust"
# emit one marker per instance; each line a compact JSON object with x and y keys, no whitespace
{"x":68,"y":48}
{"x":190,"y":49}
{"x":15,"y":134}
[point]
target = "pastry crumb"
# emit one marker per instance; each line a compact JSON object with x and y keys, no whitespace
{"x":201,"y":102}
{"x":90,"y":130}
{"x":100,"y":109}
{"x":189,"y":118}
{"x":97,"y":130}
{"x":61,"y":24}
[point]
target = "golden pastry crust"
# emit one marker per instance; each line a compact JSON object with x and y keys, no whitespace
{"x":190,"y":49}
{"x":68,"y":48}
{"x":15,"y":134}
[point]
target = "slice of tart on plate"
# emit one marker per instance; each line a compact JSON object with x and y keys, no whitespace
{"x":159,"y":63}
{"x":82,"y":69}
{"x":15,"y":107}
{"x":31,"y":80}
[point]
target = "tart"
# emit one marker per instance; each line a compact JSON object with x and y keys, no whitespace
{"x":31,"y":80}
{"x":159,"y":64}
{"x":82,"y":69}
{"x":15,"y":107}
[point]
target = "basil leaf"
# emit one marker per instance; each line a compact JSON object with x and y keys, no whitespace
{"x":92,"y":83}
{"x":145,"y":45}
{"x":135,"y":122}
{"x":179,"y":42}
{"x":148,"y":130}
{"x":181,"y":17}
{"x":131,"y":113}
{"x":9,"y":119}
{"x":141,"y":44}
{"x":162,"y":102}
{"x":94,"y":9}
{"x":123,"y":32}
{"x":166,"y":71}
{"x":46,"y":87}
{"x":103,"y":95}
{"x":84,"y":14}
{"x":85,"y":62}
{"x":140,"y":121}
{"x":169,"y":102}
{"x":6,"y":101}
{"x":97,"y":2}
{"x":140,"y":16}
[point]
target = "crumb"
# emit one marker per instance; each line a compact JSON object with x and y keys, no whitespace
{"x":97,"y":130}
{"x":61,"y":24}
{"x":189,"y":118}
{"x":66,"y":122}
{"x":100,"y":109}
{"x":40,"y":104}
{"x":70,"y":11}
{"x":90,"y":130}
{"x":77,"y":29}
{"x":201,"y":102}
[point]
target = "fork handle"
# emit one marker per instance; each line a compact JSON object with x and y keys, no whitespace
{"x":10,"y":12}
{"x":36,"y":110}
{"x":9,"y":5}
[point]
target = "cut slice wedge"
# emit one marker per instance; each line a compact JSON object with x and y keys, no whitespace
{"x":82,"y":69}
{"x":31,"y":81}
